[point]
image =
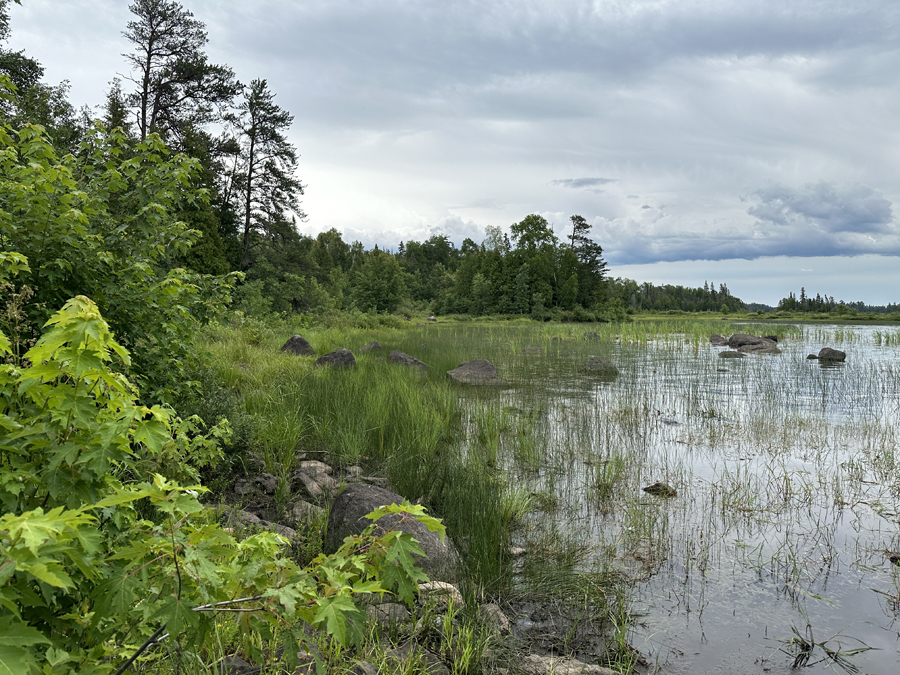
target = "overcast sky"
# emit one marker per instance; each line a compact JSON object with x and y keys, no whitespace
{"x":751,"y":142}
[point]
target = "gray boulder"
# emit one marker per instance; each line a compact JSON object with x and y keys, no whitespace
{"x":404,"y":359}
{"x":317,"y":482}
{"x":717,"y":340}
{"x":600,"y":367}
{"x":479,"y":371}
{"x":761,"y":348}
{"x":342,"y":358}
{"x":347,"y":518}
{"x":371,"y":347}
{"x":744,"y":340}
{"x":299,"y":346}
{"x":557,"y":665}
{"x":831,"y":355}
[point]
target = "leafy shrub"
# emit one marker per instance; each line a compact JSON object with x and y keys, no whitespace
{"x":102,"y":548}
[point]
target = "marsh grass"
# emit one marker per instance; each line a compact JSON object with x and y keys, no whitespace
{"x":771,"y":455}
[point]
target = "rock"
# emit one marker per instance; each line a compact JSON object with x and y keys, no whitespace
{"x":347,"y":518}
{"x":302,"y":511}
{"x":410,"y":652}
{"x":363,"y":668}
{"x":354,"y":471}
{"x":773,"y":338}
{"x":404,"y":359}
{"x":379,"y":481}
{"x":267,"y":482}
{"x":388,"y":614}
{"x":241,"y":520}
{"x":731,"y":355}
{"x":661,"y":490}
{"x":371,"y":347}
{"x":234,"y":665}
{"x":431,"y":318}
{"x":516,"y":551}
{"x":479,"y":371}
{"x":831,"y":355}
{"x":441,"y":594}
{"x":299,"y":346}
{"x":743,"y":340}
{"x":317,"y":483}
{"x":761,"y":348}
{"x":718,"y":340}
{"x":315,"y":467}
{"x":242,"y":487}
{"x":811,"y":356}
{"x":342,"y":358}
{"x":549,"y":665}
{"x":600,"y":367}
{"x":493,"y":617}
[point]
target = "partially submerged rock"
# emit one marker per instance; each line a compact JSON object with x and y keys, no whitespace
{"x":831,"y":355}
{"x":347,"y":518}
{"x":404,"y":359}
{"x":600,"y":367}
{"x":744,"y":340}
{"x":659,"y":489}
{"x":479,"y":371}
{"x":718,"y":340}
{"x":342,"y":358}
{"x":731,"y":355}
{"x":299,"y":346}
{"x":761,"y":348}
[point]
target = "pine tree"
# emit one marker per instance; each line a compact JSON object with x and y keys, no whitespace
{"x":263,"y":185}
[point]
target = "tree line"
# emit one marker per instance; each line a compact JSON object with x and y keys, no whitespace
{"x":246,"y":220}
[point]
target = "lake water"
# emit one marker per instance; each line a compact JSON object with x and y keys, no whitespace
{"x":788,"y":480}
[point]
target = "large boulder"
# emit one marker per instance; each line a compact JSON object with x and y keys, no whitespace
{"x":342,"y":358}
{"x":299,"y":346}
{"x":761,"y":348}
{"x":739,"y":340}
{"x":404,"y":359}
{"x":347,"y":518}
{"x":830,"y":355}
{"x":479,"y":371}
{"x":600,"y":367}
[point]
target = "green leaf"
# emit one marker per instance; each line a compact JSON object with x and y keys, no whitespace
{"x":334,"y":612}
{"x":15,"y":660}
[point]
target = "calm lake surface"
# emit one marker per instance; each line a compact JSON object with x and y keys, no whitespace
{"x":788,"y":480}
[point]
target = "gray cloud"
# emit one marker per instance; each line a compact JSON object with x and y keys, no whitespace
{"x":825,"y":206}
{"x":581,"y":183}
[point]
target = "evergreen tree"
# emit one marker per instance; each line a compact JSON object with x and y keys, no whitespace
{"x":176,"y":86}
{"x":263,"y":185}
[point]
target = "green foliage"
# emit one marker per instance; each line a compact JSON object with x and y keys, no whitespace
{"x":101,"y":225}
{"x":100,"y":546}
{"x":379,"y":283}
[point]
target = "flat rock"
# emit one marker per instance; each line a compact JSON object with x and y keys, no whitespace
{"x":600,"y":367}
{"x":550,"y":665}
{"x":441,"y":594}
{"x":371,"y":347}
{"x":403,"y":359}
{"x":731,"y":355}
{"x":342,"y":358}
{"x":479,"y":371}
{"x":299,"y":346}
{"x":761,"y":348}
{"x":832,"y":355}
{"x":718,"y":340}
{"x":314,"y":466}
{"x":347,"y":518}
